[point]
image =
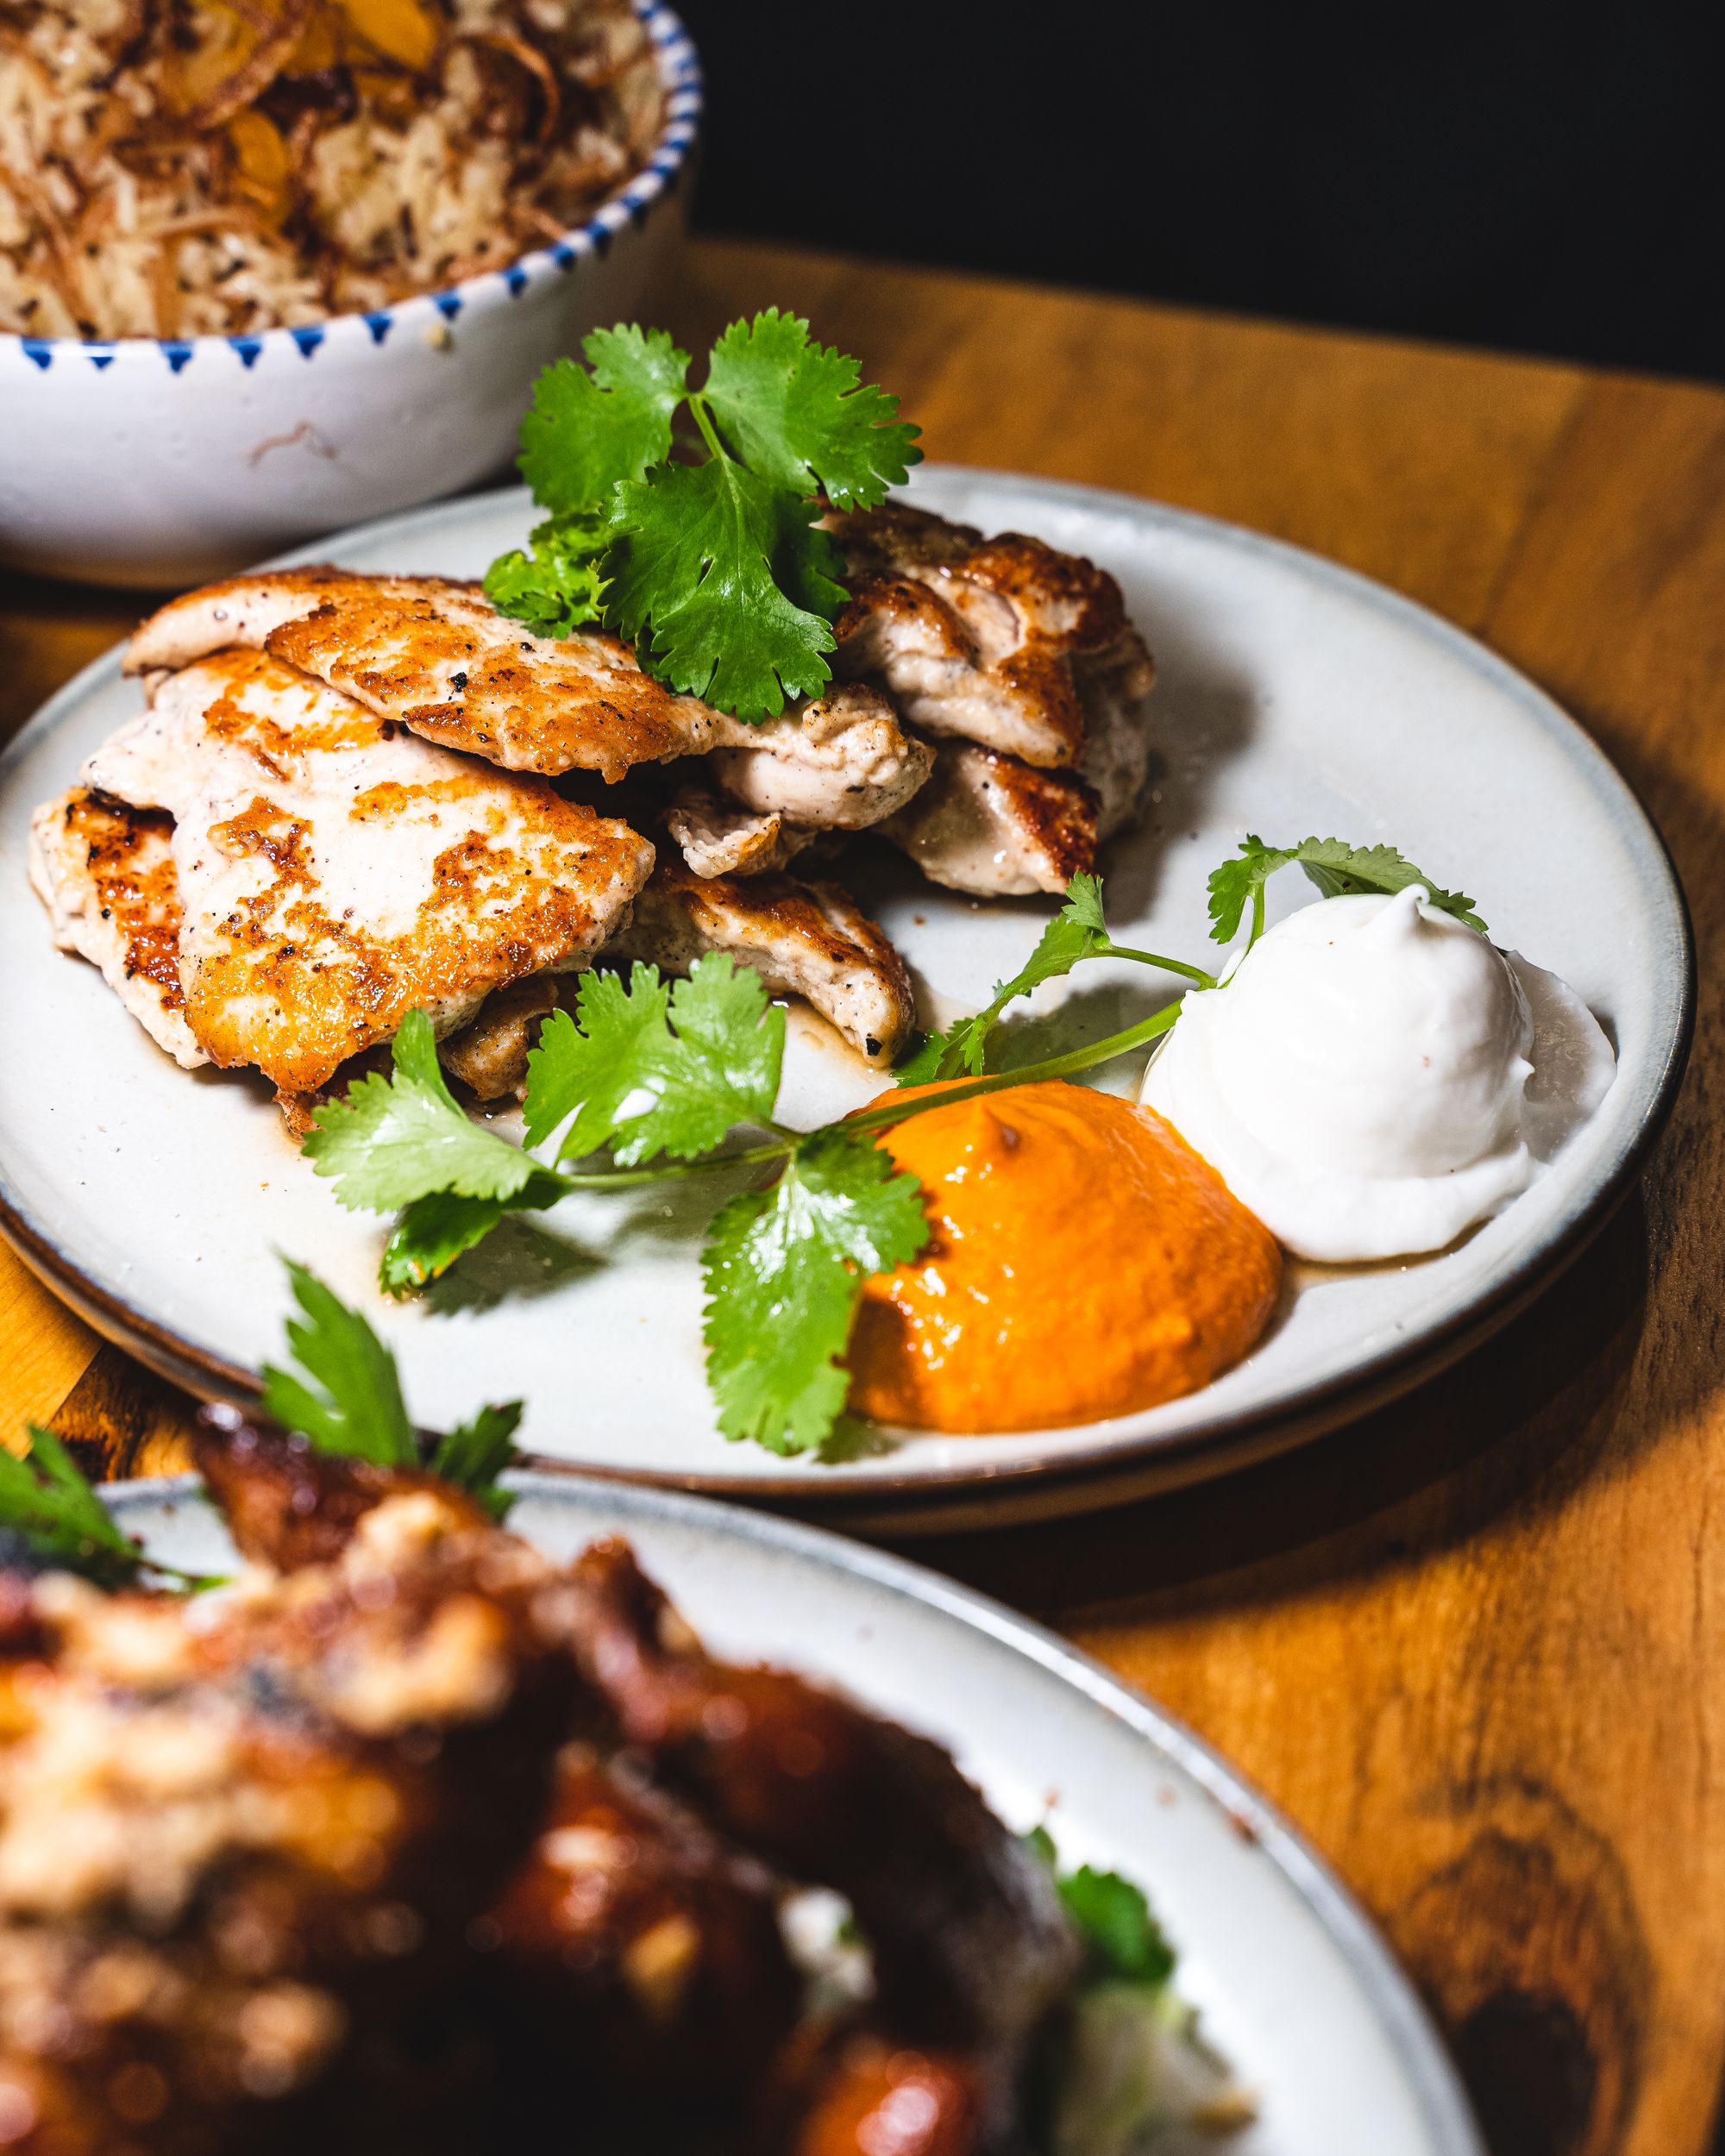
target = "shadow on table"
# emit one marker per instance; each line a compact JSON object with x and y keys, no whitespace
{"x":1519,"y":1421}
{"x":1617,"y":1357}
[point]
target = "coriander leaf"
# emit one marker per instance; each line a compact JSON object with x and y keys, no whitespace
{"x":689,"y":1061}
{"x":559,"y":583}
{"x":397,"y":1139}
{"x":1113,"y":1918}
{"x":588,"y":430}
{"x":1340,"y":871}
{"x":784,"y":1269}
{"x":797,"y":413}
{"x":730,"y":1049}
{"x":1075,"y":933}
{"x":475,"y":1454}
{"x":1083,"y":905}
{"x":922,"y":1067}
{"x":696,"y":562}
{"x":589,"y":1069}
{"x":436,"y":1230}
{"x":1337,"y":868}
{"x":46,"y":1500}
{"x":345,"y":1396}
{"x":1234,"y":885}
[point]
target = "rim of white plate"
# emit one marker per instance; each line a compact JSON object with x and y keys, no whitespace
{"x":1304,"y":1409}
{"x":1408,"y":2028}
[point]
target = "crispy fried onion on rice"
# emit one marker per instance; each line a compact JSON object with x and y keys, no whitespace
{"x":171,"y":168}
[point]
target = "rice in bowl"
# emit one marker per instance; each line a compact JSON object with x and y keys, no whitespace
{"x":173,"y":168}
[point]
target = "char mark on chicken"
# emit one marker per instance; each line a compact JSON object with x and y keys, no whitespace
{"x":996,"y":827}
{"x":105,"y":873}
{"x":438,"y":657}
{"x":333,"y":872}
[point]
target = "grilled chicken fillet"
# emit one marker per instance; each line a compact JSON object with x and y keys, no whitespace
{"x":993,"y":641}
{"x":996,"y":826}
{"x":336,"y":872}
{"x":105,"y":874}
{"x":439,"y":658}
{"x":719,"y":838}
{"x":809,"y":940}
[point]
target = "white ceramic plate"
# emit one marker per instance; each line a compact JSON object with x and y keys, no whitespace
{"x":1293,"y":697}
{"x":1292,"y":1981}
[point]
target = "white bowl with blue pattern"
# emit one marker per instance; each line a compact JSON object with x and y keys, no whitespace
{"x":157,"y":462}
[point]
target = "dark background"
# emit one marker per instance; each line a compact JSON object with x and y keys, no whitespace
{"x":1543,"y":178}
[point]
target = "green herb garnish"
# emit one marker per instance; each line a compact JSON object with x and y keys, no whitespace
{"x":1076,"y":932}
{"x":1338,"y":870}
{"x":713,"y":565}
{"x":1111,"y":1916}
{"x":45,"y":1500}
{"x":671,"y":1079}
{"x":345,"y":1396}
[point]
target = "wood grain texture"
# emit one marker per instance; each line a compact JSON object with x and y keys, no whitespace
{"x":1469,"y":1644}
{"x":46,"y":1349}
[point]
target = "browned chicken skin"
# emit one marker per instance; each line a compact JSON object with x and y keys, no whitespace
{"x":414,"y":1829}
{"x":970,"y":1947}
{"x":231,"y":1852}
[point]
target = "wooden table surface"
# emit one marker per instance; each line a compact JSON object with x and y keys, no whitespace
{"x":1472,"y":1646}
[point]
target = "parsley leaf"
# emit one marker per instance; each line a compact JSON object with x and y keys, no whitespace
{"x":587,"y":429}
{"x":784,"y":1269}
{"x":473,"y":1455}
{"x":797,"y":413}
{"x":1338,"y":869}
{"x":1076,"y":932}
{"x":45,"y":1499}
{"x":700,"y":560}
{"x":346,"y":1394}
{"x":688,"y":1062}
{"x":559,"y":584}
{"x":397,"y":1139}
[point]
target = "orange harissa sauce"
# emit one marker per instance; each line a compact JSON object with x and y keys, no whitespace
{"x":1085,"y":1262}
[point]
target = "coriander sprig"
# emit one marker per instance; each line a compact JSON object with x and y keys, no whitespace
{"x":340,"y":1391}
{"x":345,"y":1397}
{"x":47,"y":1502}
{"x":715,"y":567}
{"x":1077,"y":932}
{"x":1338,"y":869}
{"x":663,"y":1077}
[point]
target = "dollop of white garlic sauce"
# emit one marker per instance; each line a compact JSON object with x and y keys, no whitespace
{"x":1376,"y":1077}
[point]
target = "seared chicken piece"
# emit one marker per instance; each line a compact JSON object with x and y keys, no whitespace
{"x":232,"y":1847}
{"x":635,"y":1945}
{"x":438,"y":657}
{"x":970,"y":1943}
{"x":971,"y":1948}
{"x":993,"y":825}
{"x":335,"y":873}
{"x":810,"y":940}
{"x":490,"y":1056}
{"x":848,"y":764}
{"x":105,"y":874}
{"x":981,"y":638}
{"x":717,"y":838}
